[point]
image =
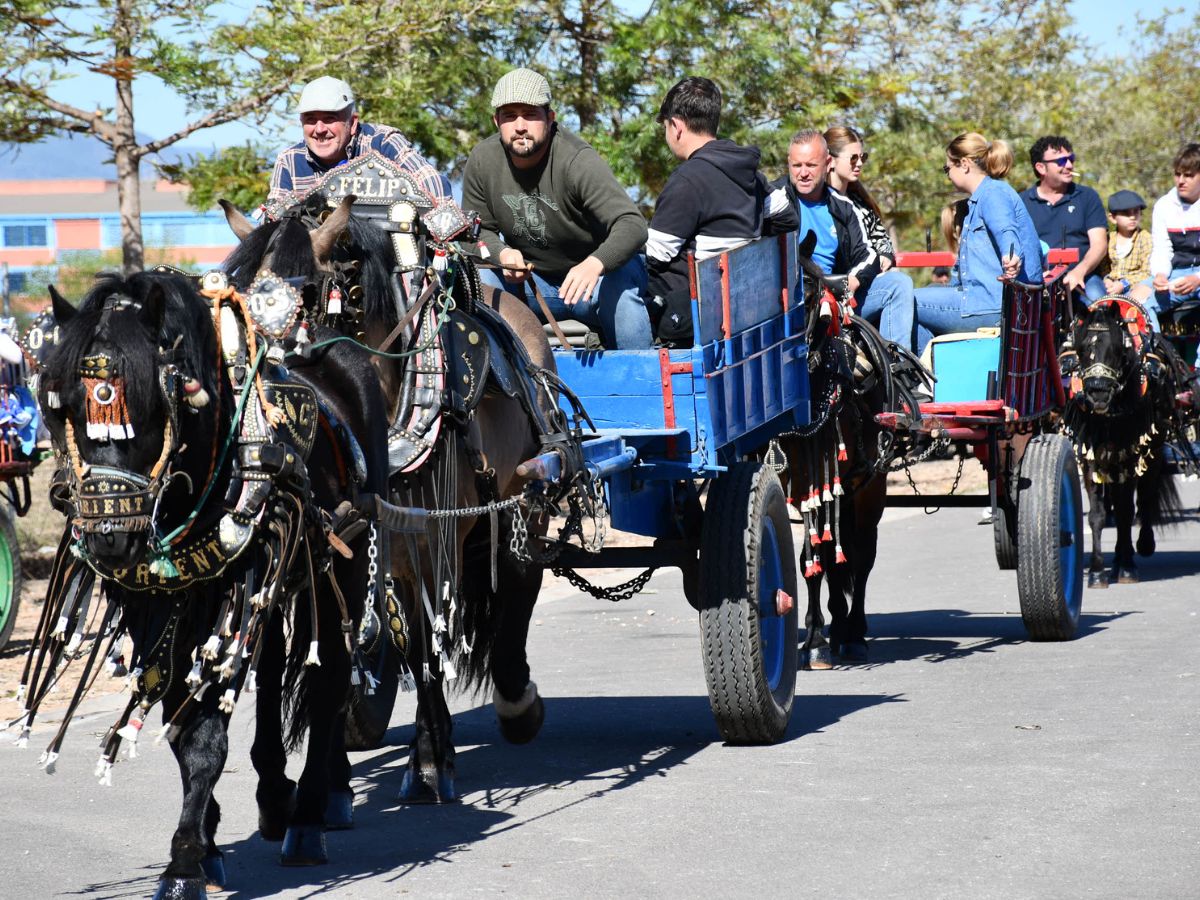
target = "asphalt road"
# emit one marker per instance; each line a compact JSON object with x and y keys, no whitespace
{"x":962,"y":762}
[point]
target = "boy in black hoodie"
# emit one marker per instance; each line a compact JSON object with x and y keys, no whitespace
{"x":715,"y":201}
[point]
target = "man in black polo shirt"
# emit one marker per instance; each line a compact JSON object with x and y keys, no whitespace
{"x":1067,"y":214}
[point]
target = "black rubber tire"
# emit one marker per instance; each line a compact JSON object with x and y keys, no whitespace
{"x":368,"y":715}
{"x":1006,"y":544}
{"x":1050,"y":535}
{"x":11,"y":577}
{"x":742,"y":504}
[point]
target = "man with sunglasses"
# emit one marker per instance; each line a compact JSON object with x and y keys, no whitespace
{"x":1067,"y":214}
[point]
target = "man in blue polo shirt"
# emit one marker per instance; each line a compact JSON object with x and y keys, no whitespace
{"x":333,"y":135}
{"x":1067,"y":214}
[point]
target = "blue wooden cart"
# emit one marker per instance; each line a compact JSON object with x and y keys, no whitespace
{"x":672,"y":424}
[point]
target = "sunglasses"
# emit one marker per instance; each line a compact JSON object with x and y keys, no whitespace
{"x":946,"y":169}
{"x":1061,"y":161}
{"x":859,"y":158}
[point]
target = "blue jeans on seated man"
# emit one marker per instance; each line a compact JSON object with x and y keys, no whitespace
{"x":1161,"y":301}
{"x":940,"y":311}
{"x":615,"y":309}
{"x":889,"y":305}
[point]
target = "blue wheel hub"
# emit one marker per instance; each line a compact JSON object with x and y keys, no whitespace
{"x":771,"y":625}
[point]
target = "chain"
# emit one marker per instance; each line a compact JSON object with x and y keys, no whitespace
{"x":613,"y":594}
{"x":372,"y":558}
{"x":467,"y":512}
{"x":906,"y":461}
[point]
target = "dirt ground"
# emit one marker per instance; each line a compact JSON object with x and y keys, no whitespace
{"x":39,"y":531}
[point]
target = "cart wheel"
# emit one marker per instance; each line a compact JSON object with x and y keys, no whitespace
{"x":368,"y":715}
{"x":1006,"y":542}
{"x":10,"y":574}
{"x":1050,"y":535}
{"x":750,"y":651}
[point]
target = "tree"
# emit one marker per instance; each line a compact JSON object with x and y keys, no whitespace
{"x":220,"y":70}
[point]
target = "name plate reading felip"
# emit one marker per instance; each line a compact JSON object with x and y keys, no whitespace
{"x":374,"y":181}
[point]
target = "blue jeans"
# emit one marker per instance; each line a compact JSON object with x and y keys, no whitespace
{"x":939,"y":311}
{"x":889,"y":304}
{"x":1093,"y":290}
{"x":615,"y":309}
{"x":1160,"y":301}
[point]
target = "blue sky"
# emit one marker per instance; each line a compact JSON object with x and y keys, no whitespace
{"x":1104,"y":22}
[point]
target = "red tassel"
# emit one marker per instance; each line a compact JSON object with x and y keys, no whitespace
{"x":817,"y":567}
{"x":808,"y":571}
{"x":841,"y":557}
{"x":828,"y":535}
{"x":842,"y":455}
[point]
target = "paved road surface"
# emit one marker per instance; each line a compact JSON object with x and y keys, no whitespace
{"x":961,"y":762}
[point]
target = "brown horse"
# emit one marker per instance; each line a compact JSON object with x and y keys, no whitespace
{"x":464,"y":595}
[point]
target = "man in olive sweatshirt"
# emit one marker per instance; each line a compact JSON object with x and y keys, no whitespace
{"x":546,"y":198}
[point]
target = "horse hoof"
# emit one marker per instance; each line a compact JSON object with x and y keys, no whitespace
{"x":304,"y":845}
{"x":214,"y":871}
{"x":416,"y":789}
{"x":816,"y":659}
{"x":520,"y":721}
{"x":339,"y":811}
{"x":273,"y":817}
{"x":1127,"y":575}
{"x":180,"y":889}
{"x":1146,"y":544}
{"x":1097,"y":579}
{"x":854,"y":652}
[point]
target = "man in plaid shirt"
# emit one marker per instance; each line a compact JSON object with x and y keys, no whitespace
{"x":333,"y":135}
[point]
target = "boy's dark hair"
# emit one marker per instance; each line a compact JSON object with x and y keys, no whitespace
{"x":941,"y":271}
{"x":1187,"y":160}
{"x":695,"y":100}
{"x":1042,"y":144}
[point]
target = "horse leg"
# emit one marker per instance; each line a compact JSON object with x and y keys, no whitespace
{"x":519,"y":708}
{"x":429,"y":775}
{"x":1147,"y":487}
{"x":339,"y":813}
{"x":323,"y":702}
{"x":1097,"y":574}
{"x":200,"y":750}
{"x":1124,"y":568}
{"x":276,"y":793}
{"x":860,"y":537}
{"x":815,"y":652}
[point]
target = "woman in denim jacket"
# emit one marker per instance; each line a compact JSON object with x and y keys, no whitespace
{"x":998,"y":243}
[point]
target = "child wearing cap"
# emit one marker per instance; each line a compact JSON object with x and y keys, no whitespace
{"x":1128,"y":248}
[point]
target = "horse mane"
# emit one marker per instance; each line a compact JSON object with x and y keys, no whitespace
{"x":292,"y":257}
{"x":184,"y":312}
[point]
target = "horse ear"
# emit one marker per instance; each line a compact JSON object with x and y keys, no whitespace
{"x":809,"y":244}
{"x":64,"y":312}
{"x":325,"y":236}
{"x":239,"y":224}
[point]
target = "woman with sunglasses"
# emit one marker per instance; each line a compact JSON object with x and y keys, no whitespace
{"x":888,"y":301}
{"x":997,"y":243}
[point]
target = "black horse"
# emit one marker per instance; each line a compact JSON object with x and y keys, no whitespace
{"x":836,"y":475}
{"x":464,"y":599}
{"x":214,"y":494}
{"x":1121,"y":416}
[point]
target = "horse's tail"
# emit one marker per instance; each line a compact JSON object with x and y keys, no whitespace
{"x":1162,"y":505}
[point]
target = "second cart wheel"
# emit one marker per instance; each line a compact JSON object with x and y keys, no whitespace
{"x":10,"y":574}
{"x":748,"y":610}
{"x":1004,"y":535}
{"x":1050,"y":535}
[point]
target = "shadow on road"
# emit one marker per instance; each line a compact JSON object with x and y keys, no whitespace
{"x":606,"y":744}
{"x":940,"y":635}
{"x":1164,"y":565}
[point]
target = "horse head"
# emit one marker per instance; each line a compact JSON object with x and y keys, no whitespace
{"x":1110,"y":367}
{"x":824,"y":295}
{"x":127,"y":394}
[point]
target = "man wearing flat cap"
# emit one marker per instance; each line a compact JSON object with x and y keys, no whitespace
{"x":547,"y":200}
{"x":333,"y":135}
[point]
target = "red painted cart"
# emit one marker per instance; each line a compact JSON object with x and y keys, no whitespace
{"x":1003,"y":396}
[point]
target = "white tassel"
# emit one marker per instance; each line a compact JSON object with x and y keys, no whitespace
{"x":226,"y":704}
{"x":169,"y":733}
{"x":466,"y":648}
{"x":334,"y":306}
{"x":313,"y":658}
{"x":98,"y":433}
{"x":131,"y":730}
{"x":302,"y":334}
{"x":448,"y":667}
{"x":118,"y":432}
{"x":226,"y":671}
{"x":428,"y":675}
{"x":252,"y":682}
{"x":193,"y":679}
{"x":826,"y":496}
{"x":60,"y":630}
{"x":47,"y":762}
{"x":212,"y":648}
{"x":73,"y":644}
{"x":355,"y":677}
{"x":20,"y":693}
{"x":408,"y":684}
{"x":53,"y":400}
{"x":104,"y":772}
{"x":372,"y":682}
{"x":133,"y":677}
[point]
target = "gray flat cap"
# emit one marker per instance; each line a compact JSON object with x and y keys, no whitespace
{"x":521,"y":86}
